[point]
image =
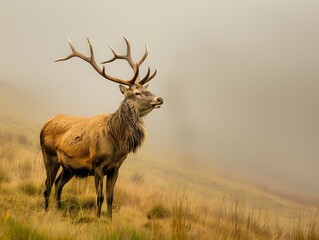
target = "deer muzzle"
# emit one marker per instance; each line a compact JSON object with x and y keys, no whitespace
{"x":157,"y":102}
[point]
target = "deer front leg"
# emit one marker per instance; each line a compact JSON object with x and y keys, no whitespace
{"x":99,"y":192}
{"x":111,"y":179}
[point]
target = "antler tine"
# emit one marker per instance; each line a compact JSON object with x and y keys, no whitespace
{"x":148,"y":78}
{"x":69,"y":56}
{"x":92,"y":62}
{"x":116,"y":56}
{"x":128,"y":48}
{"x":137,"y":72}
{"x":144,"y":56}
{"x":147,"y":75}
{"x":75,"y":53}
{"x":127,"y":56}
{"x":129,"y":59}
{"x":91,"y":50}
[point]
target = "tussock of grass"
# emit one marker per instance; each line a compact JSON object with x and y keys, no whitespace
{"x":158,"y":211}
{"x":85,"y":220}
{"x":30,"y":188}
{"x":70,"y":204}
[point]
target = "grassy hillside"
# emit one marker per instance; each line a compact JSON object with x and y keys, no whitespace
{"x":156,"y":197}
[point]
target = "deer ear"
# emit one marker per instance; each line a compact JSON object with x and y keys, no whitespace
{"x":123,"y":90}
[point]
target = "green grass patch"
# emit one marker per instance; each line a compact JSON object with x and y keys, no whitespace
{"x":12,"y":229}
{"x":30,"y":188}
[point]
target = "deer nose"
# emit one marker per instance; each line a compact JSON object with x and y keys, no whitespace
{"x":160,"y":100}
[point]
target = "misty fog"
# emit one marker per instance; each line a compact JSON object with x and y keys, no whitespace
{"x":239,"y":79}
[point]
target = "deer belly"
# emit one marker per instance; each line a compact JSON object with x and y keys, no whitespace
{"x":81,"y":167}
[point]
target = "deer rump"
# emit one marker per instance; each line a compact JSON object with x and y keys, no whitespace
{"x":75,"y":143}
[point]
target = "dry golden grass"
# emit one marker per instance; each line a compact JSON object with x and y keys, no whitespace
{"x":154,"y":199}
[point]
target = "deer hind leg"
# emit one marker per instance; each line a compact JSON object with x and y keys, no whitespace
{"x":111,"y":179}
{"x":63,"y":178}
{"x":51,"y":167}
{"x":99,"y":192}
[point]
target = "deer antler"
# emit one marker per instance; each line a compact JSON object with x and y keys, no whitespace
{"x":92,"y":62}
{"x":134,"y":66}
{"x":148,"y":78}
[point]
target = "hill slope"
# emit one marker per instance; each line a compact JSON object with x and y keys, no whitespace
{"x":155,"y":198}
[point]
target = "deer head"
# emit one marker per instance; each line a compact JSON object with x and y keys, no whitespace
{"x":136,"y":94}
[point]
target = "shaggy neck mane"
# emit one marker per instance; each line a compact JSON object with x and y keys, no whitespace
{"x":126,"y":128}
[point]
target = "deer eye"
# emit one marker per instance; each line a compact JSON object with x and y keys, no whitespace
{"x":138,"y":94}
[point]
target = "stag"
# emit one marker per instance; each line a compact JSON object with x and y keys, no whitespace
{"x":97,"y":146}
